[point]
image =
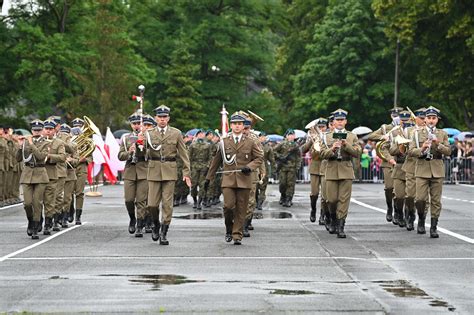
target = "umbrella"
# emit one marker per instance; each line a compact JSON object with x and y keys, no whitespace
{"x":22,"y":132}
{"x":361,"y":130}
{"x":119,"y":133}
{"x":192,"y":132}
{"x":299,"y":133}
{"x":452,"y":131}
{"x":463,"y":135}
{"x":274,"y":138}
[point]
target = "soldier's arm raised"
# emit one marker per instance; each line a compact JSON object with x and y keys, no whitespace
{"x":352,"y":147}
{"x":58,"y":157}
{"x":123,"y":154}
{"x":377,"y":135}
{"x":443,"y":146}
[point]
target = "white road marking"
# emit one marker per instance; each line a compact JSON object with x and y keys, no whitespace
{"x":440,"y":229}
{"x":457,"y":199}
{"x":466,"y":185}
{"x":11,"y":206}
{"x":39,"y":243}
{"x":241,"y":258}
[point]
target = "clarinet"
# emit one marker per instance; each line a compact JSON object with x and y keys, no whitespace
{"x":431,"y":136}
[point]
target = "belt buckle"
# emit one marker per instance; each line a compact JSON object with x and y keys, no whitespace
{"x":162,"y":159}
{"x":429,"y":157}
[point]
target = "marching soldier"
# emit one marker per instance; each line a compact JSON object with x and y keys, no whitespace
{"x":383,"y":133}
{"x":34,"y":178}
{"x":288,"y":157}
{"x":199,"y":157}
{"x":315,"y":134}
{"x":81,"y":174}
{"x":409,"y":169}
{"x":342,"y":146}
{"x":10,"y":156}
{"x":214,"y":190}
{"x":399,"y":149}
{"x":163,"y":144}
{"x":132,"y":150}
{"x":56,"y":153}
{"x":269,"y":162}
{"x":428,"y":146}
{"x":72,"y":160}
{"x":239,"y":155}
{"x":149,"y":123}
{"x":324,"y":205}
{"x":4,"y":152}
{"x":17,"y":169}
{"x":181,"y":190}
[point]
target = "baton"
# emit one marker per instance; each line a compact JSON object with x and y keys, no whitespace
{"x":226,"y":172}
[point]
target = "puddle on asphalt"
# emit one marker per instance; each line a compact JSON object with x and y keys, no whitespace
{"x":206,"y":215}
{"x":156,"y":281}
{"x":403,"y":288}
{"x":57,"y":278}
{"x":290,"y":292}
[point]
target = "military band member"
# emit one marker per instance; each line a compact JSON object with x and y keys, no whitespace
{"x":399,"y":150}
{"x":383,"y":133}
{"x":135,"y":175}
{"x":314,"y":145}
{"x":4,"y":152}
{"x":342,"y":147}
{"x":33,"y":152}
{"x":181,"y":190}
{"x":72,"y":160}
{"x":17,"y":169}
{"x":324,"y":204}
{"x":149,"y":123}
{"x":9,"y":166}
{"x":269,"y":162}
{"x":288,"y":157}
{"x":56,"y":153}
{"x":428,"y":146}
{"x":409,"y":169}
{"x":163,"y":144}
{"x":81,"y":173}
{"x":199,"y":158}
{"x":239,"y":155}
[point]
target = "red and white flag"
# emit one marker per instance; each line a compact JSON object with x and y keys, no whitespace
{"x":112,"y":148}
{"x":100,"y":157}
{"x":224,"y":121}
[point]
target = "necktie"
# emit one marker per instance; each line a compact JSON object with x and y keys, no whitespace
{"x":162,"y":132}
{"x":236,"y":140}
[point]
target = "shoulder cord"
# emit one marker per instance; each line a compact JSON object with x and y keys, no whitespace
{"x":26,"y":159}
{"x":224,"y":157}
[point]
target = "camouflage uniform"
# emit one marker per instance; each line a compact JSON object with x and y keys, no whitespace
{"x":181,"y":190}
{"x":269,"y":162}
{"x":200,"y":153}
{"x":288,"y":157}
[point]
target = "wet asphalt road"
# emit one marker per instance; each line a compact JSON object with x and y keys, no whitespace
{"x":287,"y":265}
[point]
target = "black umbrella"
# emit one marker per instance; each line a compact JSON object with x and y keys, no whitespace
{"x":119,"y":133}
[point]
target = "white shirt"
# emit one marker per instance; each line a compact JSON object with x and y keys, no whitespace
{"x":237,"y":138}
{"x":164,"y":129}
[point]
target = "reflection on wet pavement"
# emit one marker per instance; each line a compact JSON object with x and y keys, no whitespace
{"x":206,"y":215}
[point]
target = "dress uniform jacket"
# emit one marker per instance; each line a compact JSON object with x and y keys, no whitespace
{"x":335,"y":169}
{"x":162,"y":151}
{"x":34,"y":172}
{"x":57,"y":153}
{"x":248,"y":153}
{"x":378,"y":135}
{"x":316,"y":160}
{"x":433,"y":168}
{"x":137,"y":171}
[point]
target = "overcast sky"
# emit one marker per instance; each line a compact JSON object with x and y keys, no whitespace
{"x":6,"y":6}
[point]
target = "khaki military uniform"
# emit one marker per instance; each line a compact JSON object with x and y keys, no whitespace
{"x":71,"y":176}
{"x":80,"y":184}
{"x":288,"y":157}
{"x":135,"y":178}
{"x":339,"y":174}
{"x":429,"y":174}
{"x":57,"y":153}
{"x":181,"y":190}
{"x":9,"y":171}
{"x":236,"y":186}
{"x":34,"y":176}
{"x":4,"y":152}
{"x":162,"y":150}
{"x":200,"y":153}
{"x":214,"y":190}
{"x":16,"y":173}
{"x":260,"y":171}
{"x":62,"y":175}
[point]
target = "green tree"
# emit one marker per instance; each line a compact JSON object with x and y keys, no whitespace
{"x":440,"y":36}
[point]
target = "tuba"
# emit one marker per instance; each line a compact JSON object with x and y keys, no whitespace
{"x":84,"y":143}
{"x":381,"y":143}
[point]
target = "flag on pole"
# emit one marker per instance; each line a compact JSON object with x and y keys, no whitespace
{"x":100,"y":158}
{"x":224,"y":121}
{"x":112,"y":149}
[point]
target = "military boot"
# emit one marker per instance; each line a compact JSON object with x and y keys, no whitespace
{"x":312,"y":214}
{"x":282,"y":199}
{"x":250,"y":224}
{"x":176,"y":201}
{"x":246,"y":232}
{"x":326,"y":215}
{"x":399,"y":203}
{"x":287,"y":202}
{"x":420,"y":208}
{"x":40,"y":228}
{"x":206,"y":202}
{"x":139,"y":231}
{"x":148,"y":225}
{"x":340,"y":229}
{"x":56,"y":222}
{"x":184,"y":200}
{"x":29,"y":216}
{"x":259,"y":204}
{"x":78,"y":216}
{"x":155,"y":234}
{"x":70,"y":216}
{"x":215,"y":201}
{"x":29,"y":229}
{"x":228,"y":234}
{"x":47,"y":226}
{"x":199,"y":203}
{"x":433,"y":228}
{"x":410,"y":209}
{"x":34,"y":232}
{"x":195,"y":202}
{"x":332,"y":226}
{"x":389,"y":201}
{"x":64,"y":221}
{"x":164,"y":231}
{"x":131,"y":213}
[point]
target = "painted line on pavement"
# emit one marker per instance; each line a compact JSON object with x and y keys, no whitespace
{"x":440,"y":229}
{"x":39,"y":243}
{"x":457,"y":199}
{"x":466,"y":185}
{"x":11,"y":206}
{"x":242,"y":258}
